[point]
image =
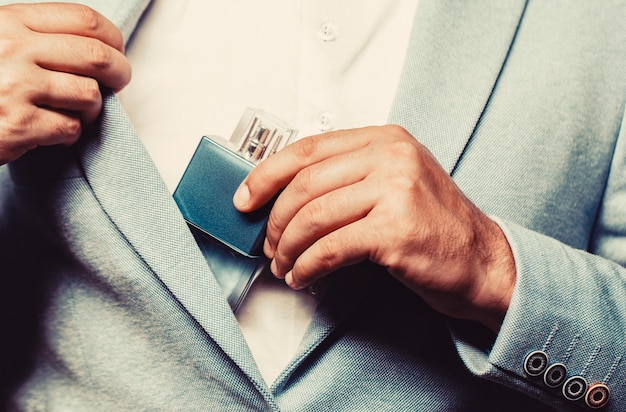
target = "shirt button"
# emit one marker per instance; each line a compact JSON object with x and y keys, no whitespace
{"x":325,"y":121}
{"x":327,"y":31}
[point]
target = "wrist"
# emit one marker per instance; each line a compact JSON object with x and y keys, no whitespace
{"x":496,"y":281}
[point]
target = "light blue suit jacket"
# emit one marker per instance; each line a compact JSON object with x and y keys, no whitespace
{"x":107,"y":304}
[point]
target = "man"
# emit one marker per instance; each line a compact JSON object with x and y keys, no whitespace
{"x":130,"y":316}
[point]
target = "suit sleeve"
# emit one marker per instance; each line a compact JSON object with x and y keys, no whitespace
{"x":563,"y":337}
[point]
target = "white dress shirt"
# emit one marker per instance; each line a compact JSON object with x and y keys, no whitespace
{"x":317,"y":64}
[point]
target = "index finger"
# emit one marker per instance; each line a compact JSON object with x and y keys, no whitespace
{"x":68,"y":18}
{"x":275,"y":173}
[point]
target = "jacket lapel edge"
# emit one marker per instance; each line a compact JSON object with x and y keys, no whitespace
{"x":456,"y":54}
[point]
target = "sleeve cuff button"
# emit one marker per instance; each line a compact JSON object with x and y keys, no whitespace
{"x":535,"y":363}
{"x":597,"y":396}
{"x":575,"y":388}
{"x":555,"y":375}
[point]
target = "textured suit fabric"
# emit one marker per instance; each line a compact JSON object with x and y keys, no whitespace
{"x":107,"y":303}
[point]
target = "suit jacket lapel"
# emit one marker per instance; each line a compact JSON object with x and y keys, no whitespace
{"x":133,"y":195}
{"x":457,"y":50}
{"x":131,"y":192}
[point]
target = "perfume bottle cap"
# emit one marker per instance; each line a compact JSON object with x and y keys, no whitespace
{"x":258,"y":135}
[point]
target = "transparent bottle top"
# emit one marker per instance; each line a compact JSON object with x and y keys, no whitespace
{"x":258,"y":135}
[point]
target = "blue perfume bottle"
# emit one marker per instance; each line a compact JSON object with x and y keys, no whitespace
{"x":231,"y":241}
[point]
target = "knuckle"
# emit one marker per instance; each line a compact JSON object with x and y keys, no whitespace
{"x":407,"y":156}
{"x":10,"y":84}
{"x":73,"y":128}
{"x":306,"y":148}
{"x":327,"y":253}
{"x":404,"y":189}
{"x":312,"y":215}
{"x":395,"y":130}
{"x":303,"y":180}
{"x":14,"y":133}
{"x":100,"y":55}
{"x":258,"y":176}
{"x":402,"y":150}
{"x":282,"y":255}
{"x":89,"y":90}
{"x":88,"y":17}
{"x":8,"y":46}
{"x":93,"y":22}
{"x":69,"y":129}
{"x":274,"y":224}
{"x":16,"y":123}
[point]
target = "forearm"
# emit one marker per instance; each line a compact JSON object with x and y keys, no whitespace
{"x":567,"y":303}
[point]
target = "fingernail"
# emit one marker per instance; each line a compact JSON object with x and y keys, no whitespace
{"x":274,"y":268}
{"x":242,"y":196}
{"x":290,"y":281}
